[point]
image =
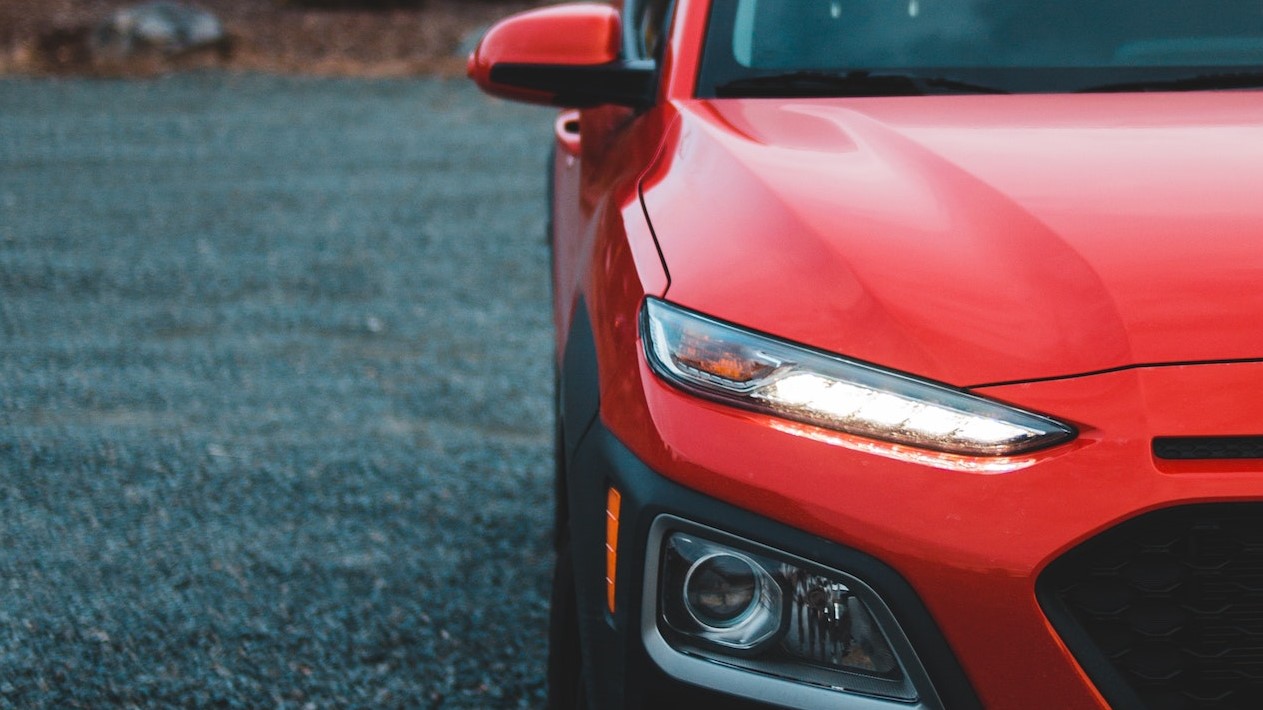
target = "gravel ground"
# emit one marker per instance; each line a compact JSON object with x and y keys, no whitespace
{"x":275,"y":424}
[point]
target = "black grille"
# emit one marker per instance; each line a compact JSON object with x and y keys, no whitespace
{"x":1166,"y":611}
{"x":1208,"y":447}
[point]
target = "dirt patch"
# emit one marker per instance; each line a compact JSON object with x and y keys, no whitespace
{"x":322,"y":37}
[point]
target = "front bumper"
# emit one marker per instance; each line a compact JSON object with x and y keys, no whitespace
{"x":628,"y":676}
{"x":956,"y":555}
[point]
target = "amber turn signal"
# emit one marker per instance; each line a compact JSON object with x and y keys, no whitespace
{"x":614,"y":501}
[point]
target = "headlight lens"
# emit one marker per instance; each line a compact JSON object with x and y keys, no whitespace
{"x":722,"y":590}
{"x":722,"y":361}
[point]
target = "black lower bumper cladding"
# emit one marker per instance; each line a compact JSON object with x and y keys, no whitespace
{"x":625,"y":676}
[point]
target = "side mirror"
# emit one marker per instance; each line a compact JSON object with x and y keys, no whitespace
{"x":565,"y":55}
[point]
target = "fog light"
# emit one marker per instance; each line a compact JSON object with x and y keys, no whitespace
{"x":753,"y":608}
{"x":721,"y":595}
{"x":720,"y":590}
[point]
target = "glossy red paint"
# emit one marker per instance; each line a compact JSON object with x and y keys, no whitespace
{"x":1085,"y":250}
{"x":953,"y":237}
{"x":682,"y":59}
{"x":581,"y":34}
{"x":609,"y":237}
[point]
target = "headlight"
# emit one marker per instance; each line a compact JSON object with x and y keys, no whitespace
{"x":721,"y":361}
{"x":763,"y":621}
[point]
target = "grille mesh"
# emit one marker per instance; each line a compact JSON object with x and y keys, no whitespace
{"x":1166,"y":611}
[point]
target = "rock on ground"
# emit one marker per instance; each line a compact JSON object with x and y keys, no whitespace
{"x":167,"y":27}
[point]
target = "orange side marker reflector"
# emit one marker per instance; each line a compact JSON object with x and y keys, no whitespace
{"x":613,"y":502}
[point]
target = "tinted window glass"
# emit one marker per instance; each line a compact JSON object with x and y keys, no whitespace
{"x":750,"y":37}
{"x":877,"y":33}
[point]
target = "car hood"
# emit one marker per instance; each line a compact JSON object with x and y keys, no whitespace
{"x":973,"y":239}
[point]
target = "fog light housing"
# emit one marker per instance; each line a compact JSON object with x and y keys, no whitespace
{"x":720,"y":595}
{"x":744,"y":610}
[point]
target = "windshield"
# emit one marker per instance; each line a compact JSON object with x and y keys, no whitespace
{"x":996,"y":45}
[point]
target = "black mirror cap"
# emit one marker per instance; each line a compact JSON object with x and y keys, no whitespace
{"x":625,"y":83}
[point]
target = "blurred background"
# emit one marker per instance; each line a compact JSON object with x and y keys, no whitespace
{"x":275,"y":359}
{"x":355,"y":37}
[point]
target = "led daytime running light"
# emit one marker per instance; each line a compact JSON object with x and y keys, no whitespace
{"x":722,"y":361}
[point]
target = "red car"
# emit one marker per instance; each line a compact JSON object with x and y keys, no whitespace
{"x":910,"y":352}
